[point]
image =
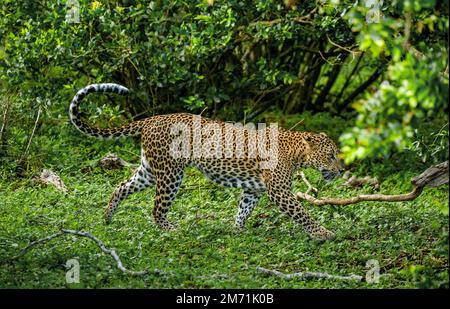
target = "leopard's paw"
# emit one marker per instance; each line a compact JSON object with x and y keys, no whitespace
{"x":166,"y":225}
{"x":107,"y":217}
{"x":322,"y":234}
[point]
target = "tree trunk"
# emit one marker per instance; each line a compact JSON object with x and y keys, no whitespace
{"x":4,"y":128}
{"x":361,"y":88}
{"x":347,"y":81}
{"x":334,"y":73}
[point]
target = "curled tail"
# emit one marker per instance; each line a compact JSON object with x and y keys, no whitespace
{"x":131,"y":129}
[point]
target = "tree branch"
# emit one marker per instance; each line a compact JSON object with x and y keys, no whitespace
{"x":351,"y":51}
{"x":299,"y":19}
{"x":364,"y":86}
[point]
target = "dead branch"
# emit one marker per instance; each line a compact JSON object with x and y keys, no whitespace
{"x":433,"y":176}
{"x":360,"y":198}
{"x":353,"y":181}
{"x":48,"y":177}
{"x":99,"y":243}
{"x":308,"y":274}
{"x":112,"y":161}
{"x":110,"y":252}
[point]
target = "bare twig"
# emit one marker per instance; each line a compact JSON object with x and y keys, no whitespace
{"x":279,"y":20}
{"x":25,"y":154}
{"x":325,"y":59}
{"x":112,"y":253}
{"x":308,"y":274}
{"x":37,"y":242}
{"x":299,"y":122}
{"x":203,"y":110}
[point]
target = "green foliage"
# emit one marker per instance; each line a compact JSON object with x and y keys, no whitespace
{"x":415,"y":87}
{"x":431,"y":146}
{"x":386,"y":120}
{"x":235,"y":60}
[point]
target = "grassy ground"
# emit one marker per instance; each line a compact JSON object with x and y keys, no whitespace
{"x":409,"y":240}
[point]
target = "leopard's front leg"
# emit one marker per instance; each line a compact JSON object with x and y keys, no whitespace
{"x":278,"y":183}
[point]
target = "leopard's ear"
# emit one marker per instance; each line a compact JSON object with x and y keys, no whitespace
{"x":323,"y":134}
{"x":307,"y":141}
{"x":305,"y":151}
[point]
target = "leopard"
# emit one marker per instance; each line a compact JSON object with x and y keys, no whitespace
{"x":166,"y":152}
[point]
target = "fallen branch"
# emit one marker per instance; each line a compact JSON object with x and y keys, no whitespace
{"x":353,"y":181}
{"x":360,"y":198}
{"x":433,"y":177}
{"x":308,"y":274}
{"x":49,"y":177}
{"x":99,"y":243}
{"x":112,"y":253}
{"x":112,"y":161}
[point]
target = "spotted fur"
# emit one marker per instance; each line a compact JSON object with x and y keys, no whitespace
{"x":161,"y":169}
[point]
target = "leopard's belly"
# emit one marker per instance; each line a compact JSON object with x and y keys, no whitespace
{"x":244,"y":174}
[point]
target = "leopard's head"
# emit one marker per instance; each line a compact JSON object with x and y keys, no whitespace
{"x":322,"y":154}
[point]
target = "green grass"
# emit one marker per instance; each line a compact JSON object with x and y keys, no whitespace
{"x":410,"y":240}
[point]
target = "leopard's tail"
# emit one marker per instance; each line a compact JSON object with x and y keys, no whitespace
{"x":130,"y":129}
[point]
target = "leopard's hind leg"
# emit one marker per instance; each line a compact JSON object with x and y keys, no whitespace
{"x":140,"y":180}
{"x":167,"y":185}
{"x":248,"y":201}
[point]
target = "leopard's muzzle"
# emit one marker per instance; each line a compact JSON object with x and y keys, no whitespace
{"x":330,"y":175}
